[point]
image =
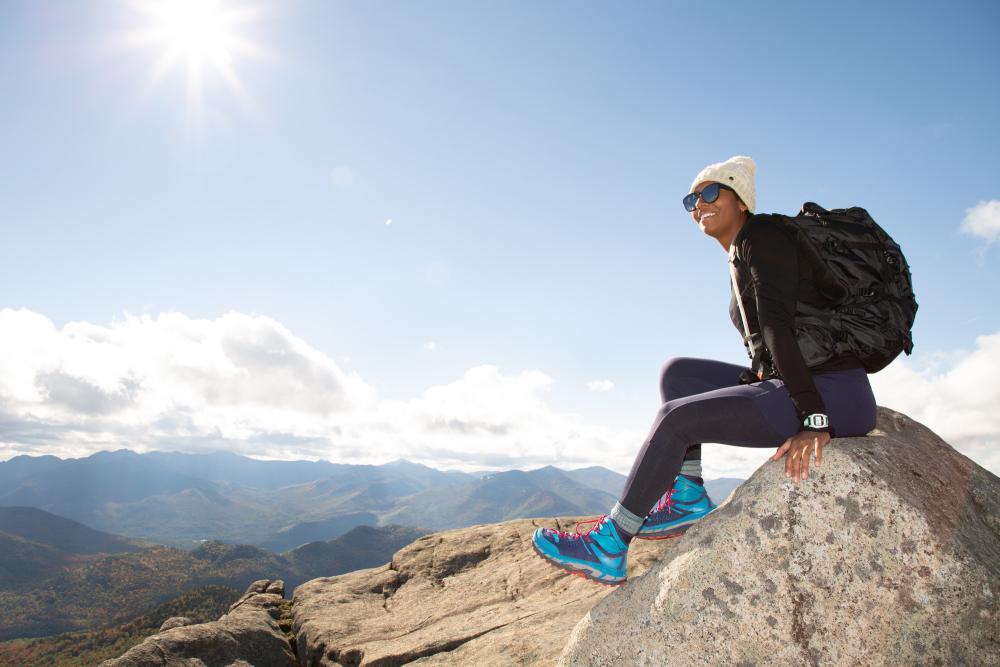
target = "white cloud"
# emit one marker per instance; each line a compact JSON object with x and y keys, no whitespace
{"x":983,"y":220}
{"x":956,"y":395}
{"x":245,"y":383}
{"x":142,"y":382}
{"x":729,"y":461}
{"x":488,"y":419}
{"x":600,"y":386}
{"x":430,"y":346}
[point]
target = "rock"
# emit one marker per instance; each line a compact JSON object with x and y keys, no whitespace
{"x":472,"y":596}
{"x":175,"y":622}
{"x":888,"y":554}
{"x":248,"y":635}
{"x":260,"y":588}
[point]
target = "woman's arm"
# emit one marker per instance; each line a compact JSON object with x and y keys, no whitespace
{"x":773,"y":261}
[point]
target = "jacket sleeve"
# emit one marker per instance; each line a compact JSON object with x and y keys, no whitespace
{"x":773,"y":262}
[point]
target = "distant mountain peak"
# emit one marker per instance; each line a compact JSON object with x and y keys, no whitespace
{"x":115,"y":454}
{"x":405,"y":463}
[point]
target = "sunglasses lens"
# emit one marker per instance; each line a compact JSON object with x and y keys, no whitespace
{"x":710,"y":193}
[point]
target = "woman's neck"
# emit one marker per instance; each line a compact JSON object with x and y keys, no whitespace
{"x":727,"y":240}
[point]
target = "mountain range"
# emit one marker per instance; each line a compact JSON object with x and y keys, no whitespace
{"x":183,"y":499}
{"x":57,"y":575}
{"x":221,"y":519}
{"x":91,"y":647}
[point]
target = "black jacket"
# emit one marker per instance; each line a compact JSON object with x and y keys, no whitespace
{"x":775,"y":280}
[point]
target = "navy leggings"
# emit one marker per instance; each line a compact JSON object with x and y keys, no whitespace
{"x":703,"y":401}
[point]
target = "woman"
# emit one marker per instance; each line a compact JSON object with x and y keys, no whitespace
{"x":778,"y":402}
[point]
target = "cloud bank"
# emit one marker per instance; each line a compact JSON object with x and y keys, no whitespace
{"x":956,"y":395}
{"x":245,"y":383}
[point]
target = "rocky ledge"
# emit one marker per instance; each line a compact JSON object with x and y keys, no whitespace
{"x":889,"y":554}
{"x":250,"y":633}
{"x":473,"y":596}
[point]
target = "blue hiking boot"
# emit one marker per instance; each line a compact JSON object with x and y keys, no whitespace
{"x":680,"y":507}
{"x":598,"y":555}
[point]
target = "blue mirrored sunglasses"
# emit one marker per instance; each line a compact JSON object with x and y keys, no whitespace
{"x":708,"y":194}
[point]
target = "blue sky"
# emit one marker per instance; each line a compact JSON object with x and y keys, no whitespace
{"x":531,"y":159}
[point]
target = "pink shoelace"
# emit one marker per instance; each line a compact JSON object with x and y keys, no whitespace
{"x":596,"y":523}
{"x":666,"y":502}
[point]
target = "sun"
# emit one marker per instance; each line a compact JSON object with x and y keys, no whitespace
{"x":195,"y":30}
{"x":200,"y":39}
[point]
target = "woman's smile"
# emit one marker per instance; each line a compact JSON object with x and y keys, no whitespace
{"x":720,"y":218}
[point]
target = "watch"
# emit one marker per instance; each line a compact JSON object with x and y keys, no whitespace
{"x":816,"y":421}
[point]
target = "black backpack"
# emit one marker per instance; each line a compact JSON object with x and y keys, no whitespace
{"x":861,"y":270}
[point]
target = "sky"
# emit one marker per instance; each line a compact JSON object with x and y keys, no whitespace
{"x":451,"y":232}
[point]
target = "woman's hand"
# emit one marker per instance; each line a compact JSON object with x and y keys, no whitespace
{"x":798,"y":448}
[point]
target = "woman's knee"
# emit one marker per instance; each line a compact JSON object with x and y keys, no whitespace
{"x":677,"y":424}
{"x":669,"y":374}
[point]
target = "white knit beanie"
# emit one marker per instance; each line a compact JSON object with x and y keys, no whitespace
{"x":737,"y":172}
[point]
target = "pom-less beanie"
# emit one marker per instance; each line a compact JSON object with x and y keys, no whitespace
{"x":737,"y":172}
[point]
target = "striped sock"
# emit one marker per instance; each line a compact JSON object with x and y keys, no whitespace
{"x":691,"y":467}
{"x":628,"y":523}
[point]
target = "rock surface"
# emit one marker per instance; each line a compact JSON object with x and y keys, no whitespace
{"x":471,"y":596}
{"x":175,"y":622}
{"x":888,"y":554}
{"x":249,"y":634}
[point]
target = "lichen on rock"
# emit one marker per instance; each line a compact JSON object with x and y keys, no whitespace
{"x":889,"y":553}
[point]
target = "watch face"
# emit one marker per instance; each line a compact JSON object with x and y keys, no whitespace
{"x":817,"y":421}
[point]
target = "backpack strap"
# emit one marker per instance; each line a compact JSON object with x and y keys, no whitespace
{"x":754,"y":354}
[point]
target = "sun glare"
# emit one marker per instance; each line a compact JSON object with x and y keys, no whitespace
{"x":195,"y":30}
{"x":199,"y":38}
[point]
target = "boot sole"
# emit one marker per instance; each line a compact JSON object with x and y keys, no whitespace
{"x":676,"y":531}
{"x":583,"y":574}
{"x":663,"y":536}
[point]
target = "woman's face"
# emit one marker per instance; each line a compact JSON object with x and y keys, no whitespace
{"x":722,"y":218}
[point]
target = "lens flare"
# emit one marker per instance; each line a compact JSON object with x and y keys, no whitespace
{"x":199,"y":38}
